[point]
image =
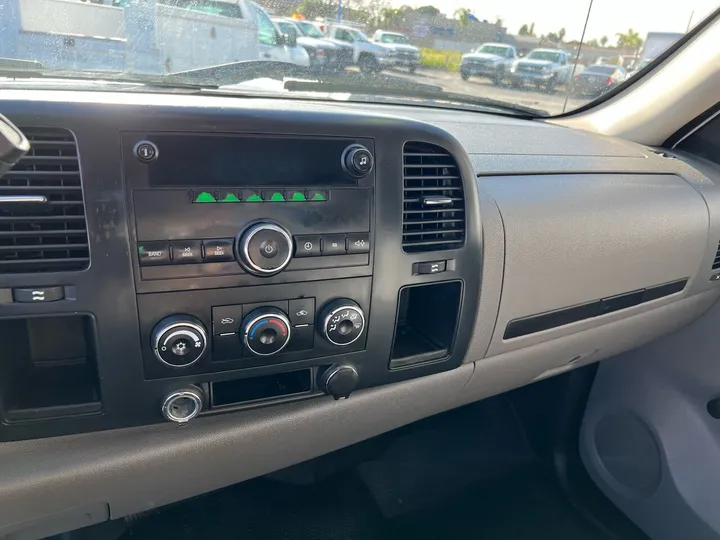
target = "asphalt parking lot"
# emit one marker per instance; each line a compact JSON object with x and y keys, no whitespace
{"x":552,"y":103}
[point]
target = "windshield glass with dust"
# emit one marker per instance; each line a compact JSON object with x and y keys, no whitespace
{"x":244,"y":47}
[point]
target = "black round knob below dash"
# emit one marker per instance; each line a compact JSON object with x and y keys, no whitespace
{"x":339,"y":381}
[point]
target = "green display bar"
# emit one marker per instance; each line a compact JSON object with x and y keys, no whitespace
{"x":205,"y":197}
{"x":230,"y":197}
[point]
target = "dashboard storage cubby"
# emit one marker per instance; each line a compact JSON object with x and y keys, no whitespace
{"x":236,"y":392}
{"x":426,"y":323}
{"x":48,"y":368}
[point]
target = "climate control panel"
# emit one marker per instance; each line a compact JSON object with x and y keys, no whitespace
{"x":208,"y":331}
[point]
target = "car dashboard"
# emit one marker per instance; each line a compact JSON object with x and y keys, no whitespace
{"x":214,"y":288}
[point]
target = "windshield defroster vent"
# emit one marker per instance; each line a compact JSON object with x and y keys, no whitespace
{"x":433,"y":202}
{"x":42,"y":217}
{"x":716,"y":262}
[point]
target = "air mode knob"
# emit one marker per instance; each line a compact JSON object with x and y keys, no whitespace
{"x":342,"y":322}
{"x":179,"y":340}
{"x":264,"y":248}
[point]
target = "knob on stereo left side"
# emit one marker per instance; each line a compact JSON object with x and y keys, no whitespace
{"x":179,"y":340}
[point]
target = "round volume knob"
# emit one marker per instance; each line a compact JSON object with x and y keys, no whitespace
{"x":179,"y":340}
{"x":342,"y":322}
{"x":357,"y":160}
{"x":265,"y":331}
{"x":264,"y":249}
{"x":339,"y":381}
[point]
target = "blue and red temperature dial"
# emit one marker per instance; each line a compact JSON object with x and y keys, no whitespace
{"x":266,"y":331}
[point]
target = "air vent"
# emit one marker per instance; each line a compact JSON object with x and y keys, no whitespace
{"x":433,"y":203}
{"x":48,"y":234}
{"x":716,"y":262}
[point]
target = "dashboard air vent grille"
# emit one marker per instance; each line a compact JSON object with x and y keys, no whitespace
{"x":433,"y":203}
{"x":47,"y":232}
{"x":716,"y":262}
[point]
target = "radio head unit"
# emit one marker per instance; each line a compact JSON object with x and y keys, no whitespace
{"x":222,"y":204}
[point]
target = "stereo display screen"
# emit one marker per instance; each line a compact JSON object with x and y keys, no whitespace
{"x":209,"y":160}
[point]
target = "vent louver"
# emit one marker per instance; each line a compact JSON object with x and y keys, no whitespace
{"x":433,"y":202}
{"x":716,"y":262}
{"x":49,"y":235}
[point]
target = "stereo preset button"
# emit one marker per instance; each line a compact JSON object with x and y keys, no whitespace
{"x":219,"y":250}
{"x":296,"y":196}
{"x":333,"y":244}
{"x":358,"y":243}
{"x":302,"y":311}
{"x":186,"y":251}
{"x":273,"y":195}
{"x":307,"y":245}
{"x":154,"y":253}
{"x":318,"y":195}
{"x":252,"y":195}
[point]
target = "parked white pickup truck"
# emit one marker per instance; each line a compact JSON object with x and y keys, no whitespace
{"x":368,"y":56}
{"x":400,"y":52}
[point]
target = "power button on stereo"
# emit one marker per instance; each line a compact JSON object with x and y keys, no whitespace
{"x":264,"y":249}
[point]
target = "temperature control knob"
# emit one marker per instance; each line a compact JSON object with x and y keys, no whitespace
{"x":265,"y":331}
{"x":342,"y":322}
{"x":179,"y":340}
{"x":264,"y":249}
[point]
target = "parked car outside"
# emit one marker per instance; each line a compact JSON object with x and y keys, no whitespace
{"x":322,"y":52}
{"x":544,"y":68}
{"x":598,"y":79}
{"x":490,"y":60}
{"x":400,"y":52}
{"x":369,"y":57}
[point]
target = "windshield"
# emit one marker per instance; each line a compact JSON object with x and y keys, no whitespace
{"x":394,"y":38}
{"x":493,"y":49}
{"x":601,"y":70}
{"x":286,"y":27}
{"x":544,"y":55}
{"x":187,"y":45}
{"x":310,"y":30}
{"x":358,"y":36}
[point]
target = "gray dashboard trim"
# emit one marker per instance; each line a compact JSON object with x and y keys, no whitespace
{"x":137,"y":469}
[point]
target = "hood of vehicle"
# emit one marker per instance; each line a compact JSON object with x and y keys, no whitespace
{"x":400,"y":47}
{"x":481,"y":56}
{"x":533,"y":62}
{"x":316,"y":43}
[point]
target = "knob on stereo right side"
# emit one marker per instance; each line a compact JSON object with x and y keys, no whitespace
{"x":357,"y":160}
